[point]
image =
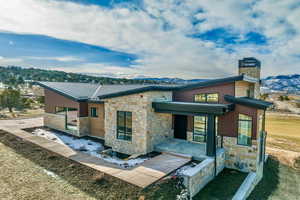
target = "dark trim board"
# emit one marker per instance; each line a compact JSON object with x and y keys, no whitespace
{"x":189,"y":108}
{"x":218,"y":81}
{"x":247,"y":101}
{"x":138,"y":90}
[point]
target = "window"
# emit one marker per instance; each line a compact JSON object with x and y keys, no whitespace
{"x":200,"y":128}
{"x":212,"y":98}
{"x":200,"y":98}
{"x":207,"y":98}
{"x":244,"y":130}
{"x":124,"y":125}
{"x":94,"y":112}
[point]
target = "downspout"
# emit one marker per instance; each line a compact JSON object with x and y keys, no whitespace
{"x":215,"y":146}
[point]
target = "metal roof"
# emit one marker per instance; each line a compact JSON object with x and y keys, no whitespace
{"x":247,"y":101}
{"x":75,"y":91}
{"x":97,"y":92}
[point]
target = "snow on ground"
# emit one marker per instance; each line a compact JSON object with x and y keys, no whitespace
{"x":86,"y":146}
{"x":49,"y":173}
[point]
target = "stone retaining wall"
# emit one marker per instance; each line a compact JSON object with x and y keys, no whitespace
{"x":58,"y":122}
{"x":55,"y":121}
{"x":197,"y":177}
{"x":83,"y":126}
{"x":243,"y":158}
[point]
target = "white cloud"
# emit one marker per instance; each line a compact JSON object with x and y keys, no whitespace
{"x":61,"y":59}
{"x":5,"y":61}
{"x":172,"y":52}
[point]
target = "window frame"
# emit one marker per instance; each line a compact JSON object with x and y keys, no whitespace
{"x":199,"y":134}
{"x":127,"y":130}
{"x":206,"y":100}
{"x":238,"y":128}
{"x":95,"y":113}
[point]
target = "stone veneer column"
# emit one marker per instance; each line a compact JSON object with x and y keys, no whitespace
{"x":148,"y":127}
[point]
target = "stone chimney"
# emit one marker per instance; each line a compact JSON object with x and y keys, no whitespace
{"x":251,"y":67}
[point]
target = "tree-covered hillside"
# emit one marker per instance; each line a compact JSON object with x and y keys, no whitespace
{"x":17,"y":75}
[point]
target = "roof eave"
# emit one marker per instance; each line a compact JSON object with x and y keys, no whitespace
{"x":135,"y":91}
{"x":189,"y":108}
{"x":217,"y":82}
{"x":239,"y":100}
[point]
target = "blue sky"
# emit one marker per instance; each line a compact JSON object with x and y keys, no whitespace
{"x":134,"y":38}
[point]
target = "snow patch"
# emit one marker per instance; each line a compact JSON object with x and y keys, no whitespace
{"x":87,"y":146}
{"x":182,"y":170}
{"x":49,"y":173}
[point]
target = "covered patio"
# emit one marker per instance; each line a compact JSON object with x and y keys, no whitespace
{"x":198,"y":151}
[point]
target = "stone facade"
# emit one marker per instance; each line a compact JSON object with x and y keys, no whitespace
{"x":55,"y":121}
{"x":148,"y":127}
{"x":243,"y":158}
{"x":250,"y":71}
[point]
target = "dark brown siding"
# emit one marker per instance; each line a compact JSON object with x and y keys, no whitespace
{"x":228,"y":123}
{"x":188,"y":95}
{"x":53,"y":99}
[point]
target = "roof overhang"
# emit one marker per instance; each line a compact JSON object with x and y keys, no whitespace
{"x":137,"y":90}
{"x":190,"y":108}
{"x":207,"y":83}
{"x":251,"y":102}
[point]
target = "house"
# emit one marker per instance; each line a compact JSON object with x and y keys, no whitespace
{"x":194,"y":119}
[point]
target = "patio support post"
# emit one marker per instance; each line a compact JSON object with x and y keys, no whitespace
{"x":211,"y":136}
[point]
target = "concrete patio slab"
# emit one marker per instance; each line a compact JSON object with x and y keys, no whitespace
{"x":196,"y":150}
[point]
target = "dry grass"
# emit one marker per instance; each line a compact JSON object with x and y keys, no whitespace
{"x":283,"y":139}
{"x":29,"y":113}
{"x":283,"y":132}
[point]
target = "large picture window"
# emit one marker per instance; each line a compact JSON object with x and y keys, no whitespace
{"x":244,"y":130}
{"x":207,"y":98}
{"x":200,"y":128}
{"x":124,"y":125}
